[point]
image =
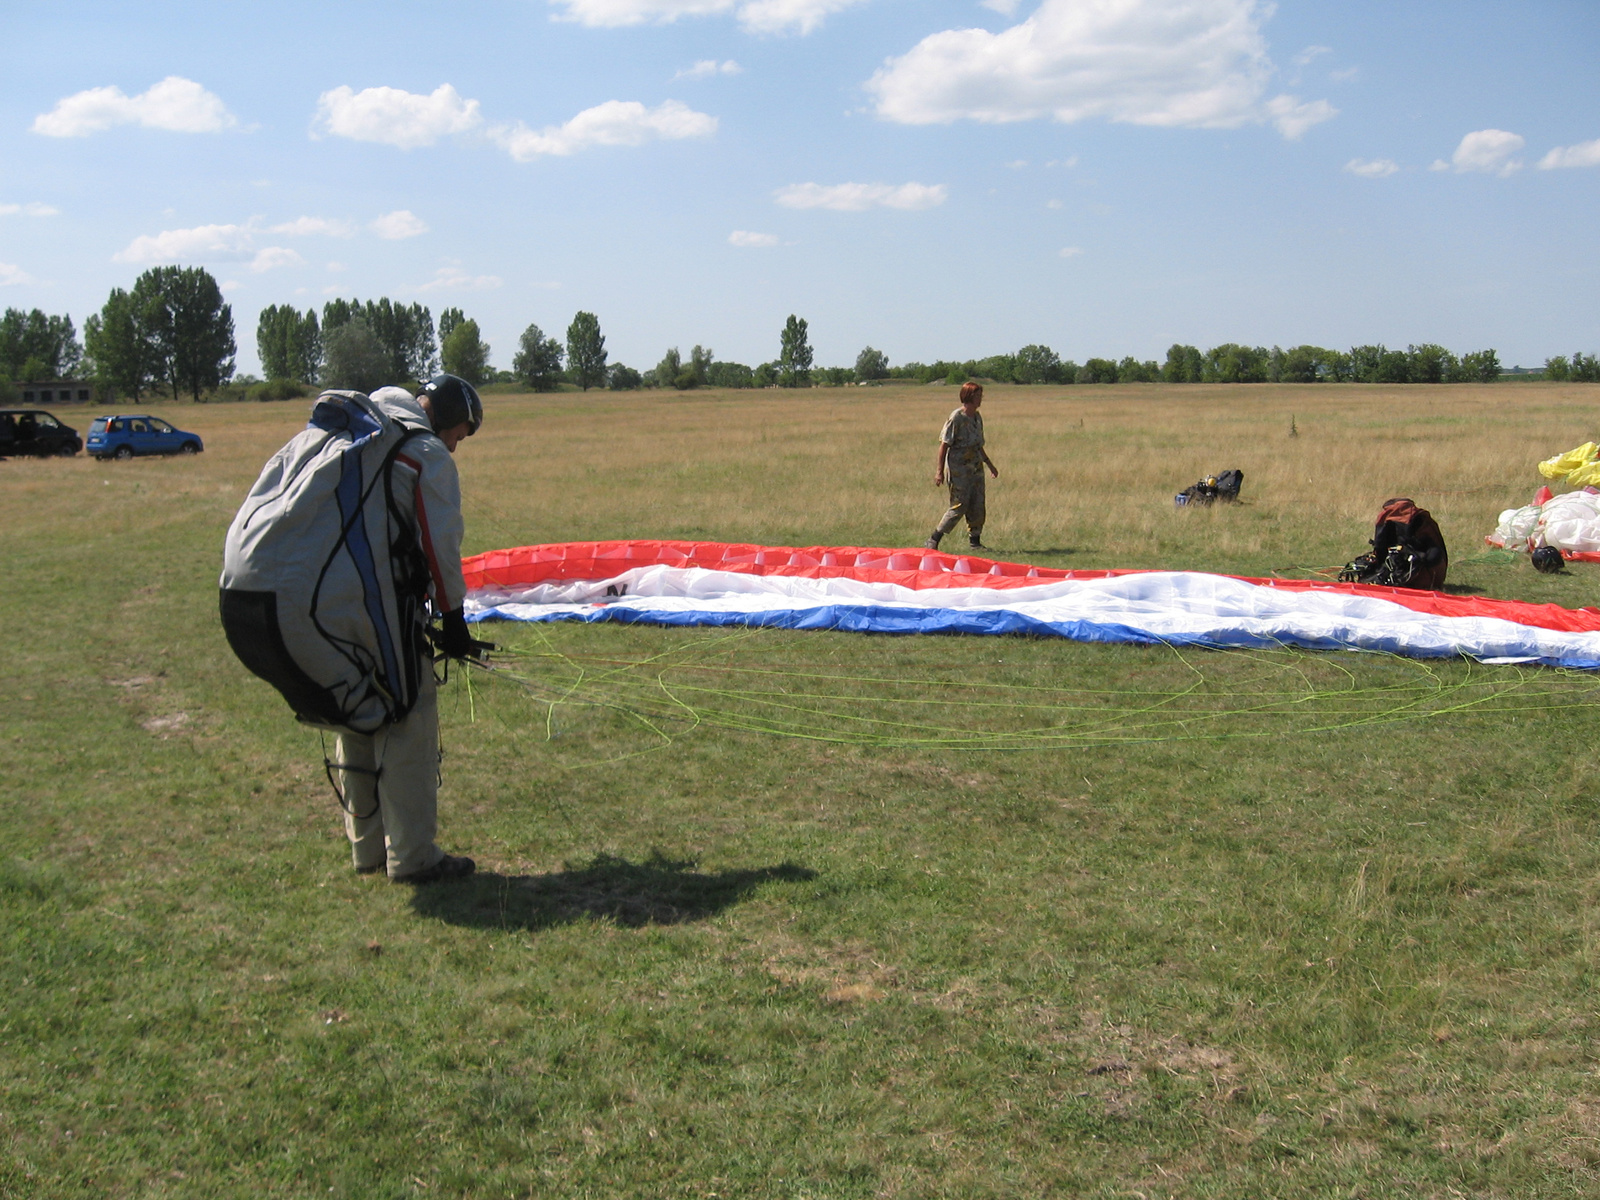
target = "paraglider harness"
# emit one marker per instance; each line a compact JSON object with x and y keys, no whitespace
{"x":1408,"y":550}
{"x":1224,"y":487}
{"x":326,"y":678}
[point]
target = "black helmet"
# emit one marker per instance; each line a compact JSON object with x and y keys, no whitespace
{"x":1548,"y":560}
{"x":454,"y":402}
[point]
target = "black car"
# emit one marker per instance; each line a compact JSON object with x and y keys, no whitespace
{"x":34,"y":431}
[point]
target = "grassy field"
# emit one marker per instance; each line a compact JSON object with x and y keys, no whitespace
{"x":793,"y":915}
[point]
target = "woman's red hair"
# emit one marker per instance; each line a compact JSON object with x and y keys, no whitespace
{"x":969,"y":390}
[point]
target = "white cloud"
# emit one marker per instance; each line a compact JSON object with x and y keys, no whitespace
{"x":237,"y":243}
{"x":32,"y":209}
{"x":614,"y":123}
{"x":743,"y":237}
{"x":779,"y":16}
{"x":399,"y":225}
{"x":1293,"y":118}
{"x":453,"y":278}
{"x":1053,"y":204}
{"x":1372,"y":168}
{"x":611,"y":13}
{"x":1017,"y":164}
{"x":707,"y":67}
{"x":1488,"y":150}
{"x":307,"y":226}
{"x":1584,"y":154}
{"x":275,"y":256}
{"x":176,"y":104}
{"x":1004,"y":7}
{"x":858,"y":197}
{"x":1344,"y":74}
{"x":395,"y":117}
{"x":11,"y":273}
{"x":232,"y":285}
{"x":1071,"y":251}
{"x":757,"y":16}
{"x":1309,"y":53}
{"x":203,"y":241}
{"x":1188,"y":63}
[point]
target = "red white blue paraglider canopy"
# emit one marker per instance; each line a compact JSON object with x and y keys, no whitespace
{"x":867,"y":590}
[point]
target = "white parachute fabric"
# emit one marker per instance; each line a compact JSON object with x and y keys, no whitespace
{"x":1174,"y":607}
{"x":1568,"y":522}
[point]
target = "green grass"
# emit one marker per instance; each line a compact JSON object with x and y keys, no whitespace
{"x":811,"y":915}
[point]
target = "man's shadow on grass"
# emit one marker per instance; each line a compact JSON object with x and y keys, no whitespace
{"x":658,"y":891}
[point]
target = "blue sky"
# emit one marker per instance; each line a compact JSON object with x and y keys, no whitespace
{"x":935,"y":178}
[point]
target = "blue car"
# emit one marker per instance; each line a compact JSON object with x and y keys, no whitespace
{"x":127,"y":434}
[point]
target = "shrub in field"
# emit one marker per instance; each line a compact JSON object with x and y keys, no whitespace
{"x":624,"y":379}
{"x":278,"y":389}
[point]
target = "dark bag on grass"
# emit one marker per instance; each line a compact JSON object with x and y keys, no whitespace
{"x":1407,"y":550}
{"x":1224,"y":487}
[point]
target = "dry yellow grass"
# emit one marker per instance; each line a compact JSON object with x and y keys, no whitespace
{"x":1087,"y":473}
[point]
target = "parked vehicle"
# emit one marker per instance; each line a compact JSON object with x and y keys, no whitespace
{"x":35,"y":432}
{"x":127,"y":434}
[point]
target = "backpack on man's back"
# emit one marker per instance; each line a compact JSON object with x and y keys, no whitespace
{"x":323,"y":583}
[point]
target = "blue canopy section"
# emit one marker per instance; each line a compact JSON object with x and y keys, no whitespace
{"x":867,"y":618}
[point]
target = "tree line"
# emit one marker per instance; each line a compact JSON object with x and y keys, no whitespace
{"x":172,"y":332}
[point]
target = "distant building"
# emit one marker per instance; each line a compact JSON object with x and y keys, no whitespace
{"x":57,"y":391}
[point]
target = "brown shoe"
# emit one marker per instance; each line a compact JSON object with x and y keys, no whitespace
{"x":451,"y":866}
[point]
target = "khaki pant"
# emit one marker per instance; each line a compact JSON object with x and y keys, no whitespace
{"x":391,"y":797}
{"x":966,"y":500}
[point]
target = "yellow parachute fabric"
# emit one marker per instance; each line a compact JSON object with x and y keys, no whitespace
{"x":1578,"y":465}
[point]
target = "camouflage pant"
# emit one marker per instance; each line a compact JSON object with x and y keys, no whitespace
{"x":966,"y":500}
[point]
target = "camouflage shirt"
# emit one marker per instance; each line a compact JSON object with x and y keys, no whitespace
{"x":964,"y":436}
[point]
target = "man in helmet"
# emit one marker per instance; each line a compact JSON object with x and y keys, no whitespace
{"x":391,"y":778}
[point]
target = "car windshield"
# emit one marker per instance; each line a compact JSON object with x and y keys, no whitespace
{"x":161,"y":426}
